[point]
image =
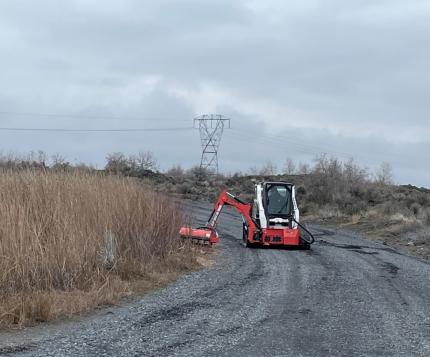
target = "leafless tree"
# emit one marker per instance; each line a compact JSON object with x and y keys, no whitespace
{"x":384,"y":174}
{"x":253,"y":171}
{"x":57,"y":159}
{"x":353,"y":173}
{"x":145,"y":160}
{"x":289,"y":166}
{"x":268,"y":169}
{"x":117,"y":162}
{"x":303,"y":168}
{"x":176,"y":171}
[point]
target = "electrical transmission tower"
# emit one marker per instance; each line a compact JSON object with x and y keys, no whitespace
{"x":211,"y":127}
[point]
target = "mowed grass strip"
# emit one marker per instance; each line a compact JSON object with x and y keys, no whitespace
{"x":71,"y":241}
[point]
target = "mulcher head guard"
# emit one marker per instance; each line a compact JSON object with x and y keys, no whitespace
{"x":204,"y":235}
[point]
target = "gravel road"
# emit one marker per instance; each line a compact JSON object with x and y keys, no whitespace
{"x":345,"y":297}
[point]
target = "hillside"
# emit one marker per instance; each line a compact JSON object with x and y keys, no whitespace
{"x":398,"y":215}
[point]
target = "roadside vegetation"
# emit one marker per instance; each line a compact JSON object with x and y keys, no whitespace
{"x":329,"y":191}
{"x":341,"y":194}
{"x":74,"y":239}
{"x":335,"y":192}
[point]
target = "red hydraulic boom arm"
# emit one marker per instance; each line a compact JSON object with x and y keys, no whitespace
{"x":209,"y":233}
{"x":226,"y":198}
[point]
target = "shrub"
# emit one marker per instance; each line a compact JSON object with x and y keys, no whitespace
{"x":77,"y":233}
{"x":415,"y":209}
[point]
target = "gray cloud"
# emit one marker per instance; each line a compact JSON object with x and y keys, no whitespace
{"x":342,"y":77}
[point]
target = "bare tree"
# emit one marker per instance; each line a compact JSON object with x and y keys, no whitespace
{"x":57,"y":160}
{"x":42,"y":157}
{"x":289,"y":166}
{"x":253,"y":171}
{"x":303,"y":168}
{"x":269,"y":169}
{"x":145,"y":160}
{"x":322,"y":163}
{"x":384,"y":174}
{"x":353,"y":173}
{"x":117,"y":162}
{"x":176,"y":171}
{"x":38,"y":158}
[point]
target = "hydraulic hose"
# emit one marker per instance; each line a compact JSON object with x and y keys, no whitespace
{"x":312,"y":238}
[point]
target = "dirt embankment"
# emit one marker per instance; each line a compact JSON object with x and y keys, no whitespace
{"x":405,"y":234}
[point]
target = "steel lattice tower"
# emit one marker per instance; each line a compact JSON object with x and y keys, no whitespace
{"x":211,"y":127}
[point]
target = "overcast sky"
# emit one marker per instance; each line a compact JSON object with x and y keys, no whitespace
{"x":297,"y":78}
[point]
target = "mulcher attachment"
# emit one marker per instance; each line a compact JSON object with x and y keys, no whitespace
{"x":203,"y":235}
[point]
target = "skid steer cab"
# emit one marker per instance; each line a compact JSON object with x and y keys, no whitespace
{"x":272,"y":219}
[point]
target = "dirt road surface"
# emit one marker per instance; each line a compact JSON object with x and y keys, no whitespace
{"x":345,"y":297}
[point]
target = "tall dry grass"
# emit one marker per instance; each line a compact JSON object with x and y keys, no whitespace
{"x":71,"y":241}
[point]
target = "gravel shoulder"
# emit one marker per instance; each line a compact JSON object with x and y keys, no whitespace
{"x":345,"y":297}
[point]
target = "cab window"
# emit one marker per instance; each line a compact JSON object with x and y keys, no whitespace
{"x":278,"y":200}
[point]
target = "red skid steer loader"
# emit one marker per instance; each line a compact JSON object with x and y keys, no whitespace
{"x":271,"y":220}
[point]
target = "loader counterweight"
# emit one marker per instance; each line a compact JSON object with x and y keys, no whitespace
{"x":288,"y":237}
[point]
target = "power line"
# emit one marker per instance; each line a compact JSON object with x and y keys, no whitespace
{"x":287,"y":140}
{"x":76,"y":130}
{"x":83,"y":116}
{"x":264,"y":139}
{"x":301,"y":148}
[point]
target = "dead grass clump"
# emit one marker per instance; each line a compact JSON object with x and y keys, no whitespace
{"x":424,"y":216}
{"x":401,"y":218}
{"x":328,"y":212}
{"x":355,"y":218}
{"x":72,"y":241}
{"x":373,"y":214}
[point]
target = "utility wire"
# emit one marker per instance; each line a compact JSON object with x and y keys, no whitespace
{"x":74,"y":130}
{"x":290,"y":146}
{"x":285,"y":143}
{"x":287,"y":140}
{"x":262,"y":139}
{"x":83,"y":116}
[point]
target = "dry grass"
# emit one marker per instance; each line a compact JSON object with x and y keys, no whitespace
{"x":355,"y":218}
{"x":72,"y":241}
